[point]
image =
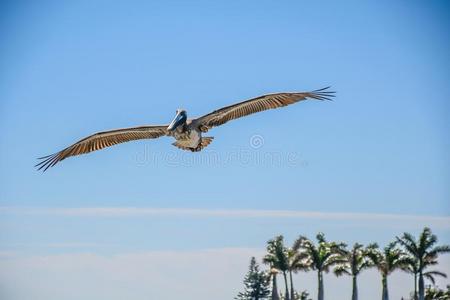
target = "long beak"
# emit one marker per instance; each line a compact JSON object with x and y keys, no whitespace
{"x":176,"y":122}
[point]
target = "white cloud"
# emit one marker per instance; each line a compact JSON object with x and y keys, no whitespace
{"x":169,"y":275}
{"x":7,"y":254}
{"x":161,"y":275}
{"x":441,"y":222}
{"x":165,"y":275}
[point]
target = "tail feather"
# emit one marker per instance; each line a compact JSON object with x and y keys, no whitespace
{"x":205,"y":141}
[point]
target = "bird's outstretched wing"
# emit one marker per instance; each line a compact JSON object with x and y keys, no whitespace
{"x":265,"y":102}
{"x":101,"y":140}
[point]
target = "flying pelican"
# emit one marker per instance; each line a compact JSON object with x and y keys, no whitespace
{"x":187,"y":132}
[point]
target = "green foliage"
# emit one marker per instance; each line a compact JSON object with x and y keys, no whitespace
{"x":423,"y":252}
{"x":304,"y":295}
{"x":256,"y":284}
{"x":277,"y":254}
{"x":320,"y":256}
{"x":434,"y":293}
{"x":389,"y":259}
{"x":278,"y":258}
{"x":406,"y":253}
{"x":354,"y":261}
{"x":297,"y":261}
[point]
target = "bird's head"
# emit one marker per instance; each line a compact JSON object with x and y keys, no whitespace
{"x":180,"y":119}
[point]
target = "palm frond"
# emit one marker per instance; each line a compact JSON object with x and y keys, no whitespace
{"x":435,"y":273}
{"x":439,"y":250}
{"x":341,"y":270}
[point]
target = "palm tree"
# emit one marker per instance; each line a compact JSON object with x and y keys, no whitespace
{"x":413,"y":268}
{"x":320,"y":257}
{"x":355,"y":261}
{"x":273,"y":273}
{"x":296,"y":262}
{"x":387,"y":261}
{"x":423,"y":253}
{"x":277,"y":257}
{"x":433,"y":293}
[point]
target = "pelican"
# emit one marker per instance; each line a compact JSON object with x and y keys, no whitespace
{"x":187,"y":132}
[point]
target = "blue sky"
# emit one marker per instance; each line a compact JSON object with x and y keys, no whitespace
{"x":71,"y":68}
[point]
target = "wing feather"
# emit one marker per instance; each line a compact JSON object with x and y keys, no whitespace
{"x":265,"y":102}
{"x":102,"y":140}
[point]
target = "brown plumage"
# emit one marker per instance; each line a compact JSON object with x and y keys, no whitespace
{"x":204,"y":142}
{"x":265,"y":102}
{"x":188,"y":133}
{"x":101,"y":140}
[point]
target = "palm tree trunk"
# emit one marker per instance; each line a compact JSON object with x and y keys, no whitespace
{"x":275,"y":295}
{"x":355,"y":289}
{"x":286,"y":297}
{"x":292,"y":286}
{"x":385,"y":293}
{"x":415,"y":286}
{"x":421,"y":287}
{"x":320,"y":292}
